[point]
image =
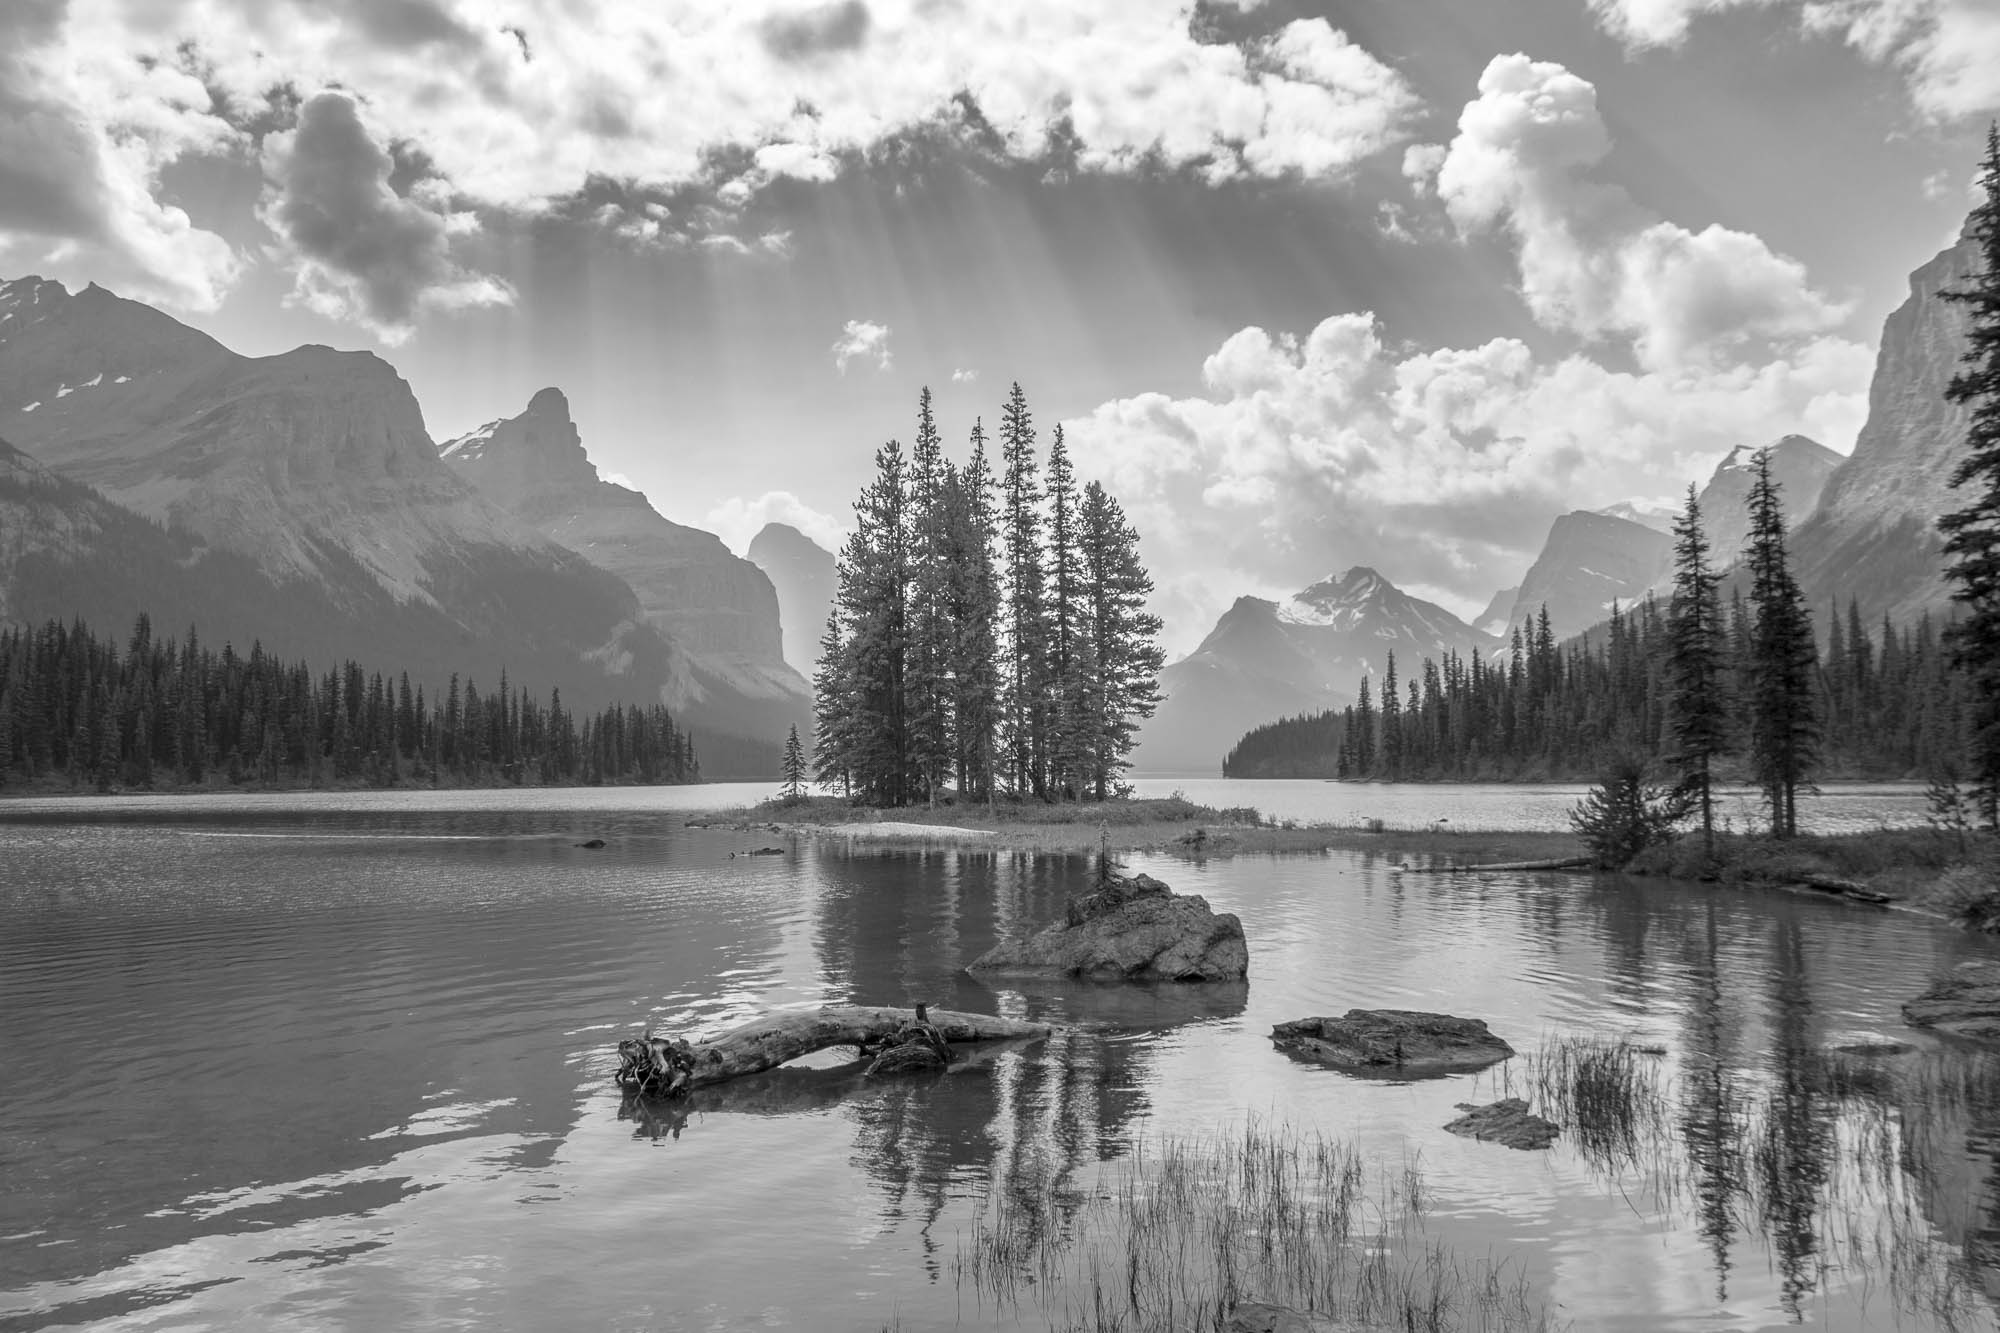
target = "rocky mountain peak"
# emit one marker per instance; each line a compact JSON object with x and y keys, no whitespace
{"x":548,"y":403}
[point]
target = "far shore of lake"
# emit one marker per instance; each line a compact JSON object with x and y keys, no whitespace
{"x":1912,"y":869}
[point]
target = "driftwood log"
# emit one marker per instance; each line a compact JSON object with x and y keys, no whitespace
{"x":1566,"y":863}
{"x":897,"y":1039}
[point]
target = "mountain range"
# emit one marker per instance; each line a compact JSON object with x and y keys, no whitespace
{"x":1863,"y":528}
{"x":299,"y":500}
{"x":1266,"y":660}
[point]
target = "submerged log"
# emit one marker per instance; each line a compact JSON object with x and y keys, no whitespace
{"x":1566,"y":863}
{"x":669,"y":1067}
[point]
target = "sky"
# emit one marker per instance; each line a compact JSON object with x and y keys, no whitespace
{"x":1385,"y":282}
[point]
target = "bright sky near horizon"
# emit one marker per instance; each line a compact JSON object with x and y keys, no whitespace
{"x":1386,"y":282}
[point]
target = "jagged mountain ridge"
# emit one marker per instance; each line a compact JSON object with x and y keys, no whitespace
{"x":1873,"y":536}
{"x":310,"y":473}
{"x":803,"y":573}
{"x":1592,"y":558}
{"x":719,"y":610}
{"x":1266,"y":660}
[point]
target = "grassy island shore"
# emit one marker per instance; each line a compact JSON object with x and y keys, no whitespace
{"x":1915,"y":869}
{"x":1169,"y":825}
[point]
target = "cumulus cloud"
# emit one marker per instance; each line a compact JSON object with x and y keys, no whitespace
{"x":82,"y":144}
{"x":964,"y":377}
{"x":1444,"y":467}
{"x":359,"y":250}
{"x":862,"y":340}
{"x":1948,"y":50}
{"x":737,"y":520}
{"x":1592,"y":260}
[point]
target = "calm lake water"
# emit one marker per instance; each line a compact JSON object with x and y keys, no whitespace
{"x":343,"y":1061}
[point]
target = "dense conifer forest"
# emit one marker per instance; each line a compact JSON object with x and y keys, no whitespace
{"x":78,"y":712}
{"x":1889,"y":701}
{"x":990,"y":632}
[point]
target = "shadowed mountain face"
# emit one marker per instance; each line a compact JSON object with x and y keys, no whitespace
{"x":1593,"y":558}
{"x":1873,"y":535}
{"x":309,"y":485}
{"x":1589,"y":561}
{"x":803,"y":574}
{"x":718,"y":610}
{"x":1264,"y":661}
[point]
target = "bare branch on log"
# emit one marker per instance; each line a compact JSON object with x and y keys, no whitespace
{"x":665,"y":1066}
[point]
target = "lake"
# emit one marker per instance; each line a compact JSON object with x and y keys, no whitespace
{"x":343,"y":1061}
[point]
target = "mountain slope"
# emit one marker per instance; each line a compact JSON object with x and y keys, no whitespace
{"x":802,"y":572}
{"x":1589,"y":561}
{"x":719,"y":610}
{"x":1872,"y":536}
{"x":1265,"y":660}
{"x":313,"y":469}
{"x":1801,"y":469}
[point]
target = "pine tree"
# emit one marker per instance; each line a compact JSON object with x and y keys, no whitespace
{"x":975,"y":613}
{"x":794,"y":766}
{"x":1118,"y":653}
{"x":1024,"y":713}
{"x":1389,"y":751}
{"x":930,"y":632}
{"x":1784,"y":723}
{"x":1073,"y":720}
{"x":1972,"y":533}
{"x":1695,"y":663}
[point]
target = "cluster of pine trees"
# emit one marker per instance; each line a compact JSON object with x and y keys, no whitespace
{"x":77,"y":711}
{"x":990,"y":631}
{"x":1887,"y":703}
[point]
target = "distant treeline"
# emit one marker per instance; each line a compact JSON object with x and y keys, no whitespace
{"x":77,"y":712}
{"x":1890,"y":705}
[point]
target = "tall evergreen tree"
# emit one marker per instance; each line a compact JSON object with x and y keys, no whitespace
{"x":1119,"y":655}
{"x":1024,"y":711}
{"x":975,"y":613}
{"x":1072,"y":717}
{"x":1695,"y":663}
{"x":794,"y":766}
{"x":1784,"y":718}
{"x":930,"y":631}
{"x":1972,"y":533}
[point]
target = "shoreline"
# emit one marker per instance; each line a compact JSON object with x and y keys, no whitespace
{"x":1163,"y":826}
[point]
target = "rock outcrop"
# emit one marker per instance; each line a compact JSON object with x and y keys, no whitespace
{"x":1508,"y":1122}
{"x":1965,"y":1002}
{"x":1873,"y":536}
{"x":1393,"y":1043}
{"x":1133,"y":929}
{"x":802,"y":572}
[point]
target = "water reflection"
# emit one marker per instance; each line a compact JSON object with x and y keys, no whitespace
{"x":461,"y":978}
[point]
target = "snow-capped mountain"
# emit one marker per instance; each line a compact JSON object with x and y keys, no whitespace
{"x":1265,"y":660}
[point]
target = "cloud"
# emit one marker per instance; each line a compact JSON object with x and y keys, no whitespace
{"x":1947,"y":50}
{"x":819,"y":30}
{"x":358,"y":249}
{"x":704,"y":94}
{"x":860,"y":339}
{"x":80,"y":158}
{"x":964,"y":377}
{"x":1592,"y":260}
{"x":737,"y":521}
{"x":1444,"y":467}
